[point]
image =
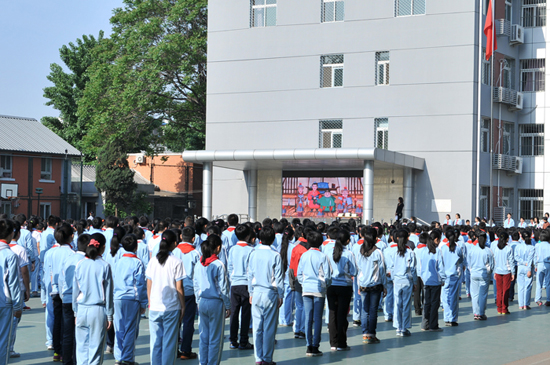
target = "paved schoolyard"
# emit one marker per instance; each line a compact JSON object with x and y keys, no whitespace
{"x":521,"y":337}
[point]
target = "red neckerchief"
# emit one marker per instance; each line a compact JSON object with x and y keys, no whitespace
{"x":156,"y":236}
{"x":242,"y":244}
{"x":417,"y":234}
{"x":393,"y":245}
{"x":231,"y":229}
{"x":6,"y":242}
{"x":209,"y":260}
{"x":328,"y":241}
{"x":464,"y":234}
{"x":302,"y":239}
{"x":185,"y":248}
{"x":315,"y":249}
{"x":360,"y":242}
{"x":130,"y":255}
{"x":421,"y":245}
{"x":12,"y":244}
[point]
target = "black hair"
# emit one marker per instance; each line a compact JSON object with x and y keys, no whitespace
{"x":111,"y":221}
{"x":130,"y":242}
{"x":139,"y":233}
{"x":515,"y":235}
{"x":242,"y":231}
{"x":278,"y":227}
{"x":209,"y":247}
{"x":52,"y":220}
{"x":232,"y":220}
{"x":96,"y":222}
{"x":451,"y":237}
{"x":402,"y":240}
{"x":332,"y":232}
{"x":482,"y":240}
{"x":213,"y":230}
{"x":544,"y":235}
{"x":526,"y":235}
{"x":267,"y":235}
{"x":161,"y":227}
{"x":314,"y":239}
{"x":63,"y":233}
{"x":502,"y":240}
{"x":288,"y":233}
{"x":200,"y":225}
{"x":21,"y":218}
{"x":166,"y":246}
{"x":423,"y":238}
{"x":81,"y":226}
{"x":369,"y":235}
{"x":267,"y":222}
{"x":97,"y":242}
{"x":143,"y":221}
{"x":431,"y":238}
{"x":116,"y":240}
{"x":342,"y":239}
{"x":82,"y":242}
{"x":187,"y":234}
{"x":16,"y":230}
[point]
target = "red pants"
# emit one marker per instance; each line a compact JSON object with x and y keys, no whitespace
{"x":503,"y":291}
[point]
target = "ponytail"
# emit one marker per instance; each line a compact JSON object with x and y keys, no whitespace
{"x":451,"y":237}
{"x":167,"y":243}
{"x":369,"y":235}
{"x":402,"y":240}
{"x":502,"y":240}
{"x":341,"y":240}
{"x":116,"y":241}
{"x":526,"y":235}
{"x":288,"y":233}
{"x":80,"y":226}
{"x":97,"y":242}
{"x":432,"y":245}
{"x":481,"y":240}
{"x":209,"y":247}
{"x":63,"y":233}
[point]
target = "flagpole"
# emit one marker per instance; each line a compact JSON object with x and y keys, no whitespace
{"x":479,"y":70}
{"x":490,"y":198}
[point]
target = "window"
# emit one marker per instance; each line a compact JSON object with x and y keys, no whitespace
{"x":332,"y":11}
{"x":508,"y":10}
{"x":332,"y":71}
{"x":45,"y":210}
{"x":531,"y":139}
{"x":330,"y":134}
{"x":507,"y":138}
{"x":381,"y":133}
{"x":533,"y":13}
{"x":485,"y":70}
{"x":5,"y":166}
{"x":410,"y":7}
{"x":382,"y":68}
{"x":532,"y":74}
{"x":5,"y":208}
{"x":508,"y":73}
{"x":507,"y":197}
{"x":263,"y":13}
{"x":46,"y":169}
{"x":531,"y":203}
{"x":485,"y":135}
{"x":484,"y":201}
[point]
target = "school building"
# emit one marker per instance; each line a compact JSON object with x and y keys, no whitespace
{"x":392,"y":96}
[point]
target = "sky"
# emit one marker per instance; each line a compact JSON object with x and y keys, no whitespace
{"x":31,"y":34}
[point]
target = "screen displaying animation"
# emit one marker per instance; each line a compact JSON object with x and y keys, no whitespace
{"x":322,"y":197}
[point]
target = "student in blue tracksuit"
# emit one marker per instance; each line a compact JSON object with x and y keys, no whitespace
{"x":142,"y":250}
{"x":371,"y":279}
{"x":265,"y":285}
{"x":453,"y":260}
{"x":515,"y":237}
{"x":25,"y":239}
{"x":165,"y":275}
{"x":92,"y":302}
{"x":314,"y":274}
{"x":240,"y":298}
{"x":542,"y":261}
{"x":65,"y":285}
{"x":187,"y":253}
{"x":229,"y":239}
{"x":389,"y":300}
{"x":432,"y":271}
{"x":357,"y":303}
{"x":504,"y":271}
{"x":481,"y":263}
{"x":524,"y":255}
{"x":47,"y":241}
{"x":11,"y":295}
{"x":402,"y":270}
{"x":286,"y":316}
{"x":130,"y":300}
{"x":294,"y":256}
{"x":211,"y":288}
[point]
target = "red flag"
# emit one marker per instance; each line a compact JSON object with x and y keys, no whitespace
{"x":490,"y":32}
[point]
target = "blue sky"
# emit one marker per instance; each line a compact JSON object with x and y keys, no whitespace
{"x":31,"y":33}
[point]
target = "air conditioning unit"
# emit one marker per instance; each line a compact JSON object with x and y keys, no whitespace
{"x":519,"y":102}
{"x":140,"y":159}
{"x":519,"y":165}
{"x":516,"y":37}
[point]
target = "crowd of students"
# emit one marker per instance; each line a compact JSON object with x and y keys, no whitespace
{"x":98,"y":278}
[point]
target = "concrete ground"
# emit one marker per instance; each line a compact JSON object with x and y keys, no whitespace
{"x":520,"y":338}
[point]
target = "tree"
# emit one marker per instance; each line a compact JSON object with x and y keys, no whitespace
{"x":114,"y":177}
{"x":148,"y":81}
{"x":68,"y":88}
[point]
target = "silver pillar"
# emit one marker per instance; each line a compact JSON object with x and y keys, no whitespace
{"x":252,"y":195}
{"x":207,"y":190}
{"x":408,"y":192}
{"x":368,"y":192}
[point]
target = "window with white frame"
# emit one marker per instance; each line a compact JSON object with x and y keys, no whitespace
{"x":485,"y":140}
{"x":5,"y":208}
{"x":382,"y":68}
{"x":381,"y":133}
{"x":45,"y":210}
{"x":332,"y":70}
{"x":531,"y":139}
{"x":508,"y":10}
{"x":330,"y":134}
{"x":5,"y":166}
{"x":533,"y":13}
{"x":484,"y":201}
{"x":485,"y":70}
{"x":507,"y":197}
{"x":46,"y":169}
{"x":507,"y":138}
{"x":508,"y":73}
{"x":532,"y":74}
{"x":332,"y":11}
{"x":263,"y":13}
{"x":410,"y":7}
{"x":531,"y":203}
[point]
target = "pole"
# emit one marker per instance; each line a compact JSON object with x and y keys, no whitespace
{"x":38,"y":214}
{"x":490,"y":197}
{"x":80,"y":214}
{"x":479,"y":70}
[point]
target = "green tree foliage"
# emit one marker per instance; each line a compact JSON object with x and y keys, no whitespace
{"x":68,"y":88}
{"x":148,"y":81}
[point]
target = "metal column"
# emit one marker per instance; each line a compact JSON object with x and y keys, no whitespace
{"x":408,"y":192}
{"x":207,"y":190}
{"x":368,"y":192}
{"x":252,"y":195}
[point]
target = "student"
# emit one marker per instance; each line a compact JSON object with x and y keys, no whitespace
{"x":509,"y":222}
{"x":524,"y":255}
{"x":47,"y":241}
{"x":130,"y":300}
{"x":265,"y":285}
{"x":419,"y":291}
{"x":403,"y":273}
{"x":453,"y":259}
{"x":229,"y":238}
{"x":142,"y":250}
{"x":65,"y":285}
{"x":522,"y":223}
{"x":515,"y":237}
{"x":389,"y":301}
{"x":371,"y":279}
{"x":432,"y":271}
{"x":166,"y":296}
{"x":447,"y":221}
{"x":92,"y":302}
{"x":357,"y":302}
{"x":340,"y":292}
{"x":314,"y":274}
{"x":240,"y":298}
{"x":211,"y":288}
{"x":504,"y":272}
{"x":481,"y":263}
{"x":299,"y":249}
{"x":154,"y":241}
{"x":286,"y":312}
{"x":542,"y":260}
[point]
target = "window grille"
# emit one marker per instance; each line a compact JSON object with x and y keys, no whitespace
{"x":484,"y":135}
{"x":508,"y":10}
{"x":507,"y":197}
{"x":5,"y":208}
{"x":45,"y":210}
{"x":410,"y":7}
{"x":507,"y":138}
{"x":332,"y":11}
{"x":484,"y":201}
{"x":533,"y":13}
{"x":332,"y":71}
{"x":508,"y":73}
{"x":531,"y":139}
{"x":5,"y":166}
{"x":263,"y":13}
{"x":382,"y":68}
{"x":532,"y":74}
{"x":330,"y":134}
{"x":381,"y":133}
{"x":46,"y":169}
{"x":485,"y":70}
{"x":531,"y":203}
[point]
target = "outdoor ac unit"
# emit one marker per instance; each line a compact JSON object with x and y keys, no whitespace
{"x":517,"y":34}
{"x":8,"y":191}
{"x":519,"y":102}
{"x":500,"y":94}
{"x":140,"y":159}
{"x":519,"y":165}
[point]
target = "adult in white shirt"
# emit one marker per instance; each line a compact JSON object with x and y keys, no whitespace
{"x":509,"y":222}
